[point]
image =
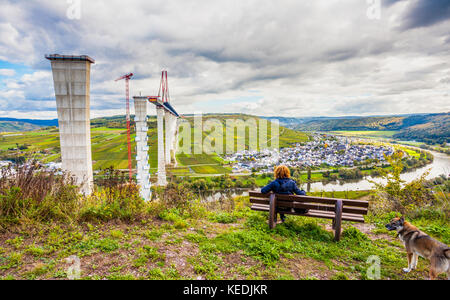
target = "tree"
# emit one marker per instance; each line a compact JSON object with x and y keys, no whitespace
{"x":252,"y":182}
{"x":397,"y":195}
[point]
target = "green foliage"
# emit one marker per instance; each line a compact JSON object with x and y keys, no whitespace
{"x":116,"y":199}
{"x":105,"y":245}
{"x":146,"y":254}
{"x":429,"y":128}
{"x":30,"y":193}
{"x":173,"y":216}
{"x":35,"y":250}
{"x":396,"y":194}
{"x":223,"y":217}
{"x":354,"y":234}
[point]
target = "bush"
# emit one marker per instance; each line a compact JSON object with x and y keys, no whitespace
{"x":176,"y":196}
{"x":29,"y":192}
{"x":396,"y":195}
{"x":121,"y":202}
{"x":115,"y":198}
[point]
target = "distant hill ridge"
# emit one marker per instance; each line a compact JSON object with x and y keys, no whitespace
{"x":432,"y":128}
{"x":16,"y":125}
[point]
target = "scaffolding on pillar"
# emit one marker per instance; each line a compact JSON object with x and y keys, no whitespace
{"x":142,"y":165}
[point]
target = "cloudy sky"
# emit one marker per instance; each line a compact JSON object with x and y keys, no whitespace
{"x":283,"y":57}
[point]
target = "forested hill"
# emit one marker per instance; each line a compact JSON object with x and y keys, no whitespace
{"x":17,"y":125}
{"x":433,"y":128}
{"x":436,"y":130}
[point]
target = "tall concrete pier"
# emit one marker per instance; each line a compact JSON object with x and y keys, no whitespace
{"x":168,"y":129}
{"x":171,"y":128}
{"x":175,"y":142}
{"x":142,"y":165}
{"x":71,"y":78}
{"x":162,"y":181}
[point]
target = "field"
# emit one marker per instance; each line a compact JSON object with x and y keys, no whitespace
{"x":109,"y":147}
{"x":368,"y":133}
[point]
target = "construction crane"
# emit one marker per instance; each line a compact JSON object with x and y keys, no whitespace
{"x":127,"y":78}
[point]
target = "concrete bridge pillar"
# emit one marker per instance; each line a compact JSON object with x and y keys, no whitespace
{"x":173,"y":138}
{"x":171,"y":124}
{"x":142,"y":165}
{"x":162,"y":180}
{"x":175,"y":143}
{"x":71,"y":78}
{"x":168,"y":131}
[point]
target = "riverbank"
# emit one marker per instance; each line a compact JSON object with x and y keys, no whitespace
{"x":440,"y":165}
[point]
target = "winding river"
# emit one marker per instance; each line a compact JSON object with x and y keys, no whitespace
{"x":440,"y":165}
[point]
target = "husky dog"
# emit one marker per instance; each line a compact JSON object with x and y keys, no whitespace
{"x":418,"y":243}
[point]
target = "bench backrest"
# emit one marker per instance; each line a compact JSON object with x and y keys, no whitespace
{"x":359,"y":207}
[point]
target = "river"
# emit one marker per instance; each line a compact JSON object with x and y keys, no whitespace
{"x":439,"y":166}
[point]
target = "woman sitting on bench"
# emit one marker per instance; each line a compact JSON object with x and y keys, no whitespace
{"x":283,"y":184}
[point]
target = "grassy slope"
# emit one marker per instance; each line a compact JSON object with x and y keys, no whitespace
{"x":17,"y":126}
{"x":219,"y":245}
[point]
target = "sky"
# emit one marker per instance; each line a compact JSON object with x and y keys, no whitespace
{"x":270,"y":58}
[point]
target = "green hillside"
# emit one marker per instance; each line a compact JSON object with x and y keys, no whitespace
{"x":430,"y":128}
{"x":17,"y":126}
{"x":435,"y":130}
{"x":109,"y":148}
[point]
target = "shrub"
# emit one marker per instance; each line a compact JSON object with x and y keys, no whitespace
{"x":29,"y":192}
{"x":396,"y":195}
{"x":176,"y":196}
{"x":114,"y":199}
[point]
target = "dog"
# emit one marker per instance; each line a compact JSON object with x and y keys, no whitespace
{"x":418,"y":243}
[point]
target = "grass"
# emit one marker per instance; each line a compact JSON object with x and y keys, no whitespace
{"x":368,"y":133}
{"x":215,"y":169}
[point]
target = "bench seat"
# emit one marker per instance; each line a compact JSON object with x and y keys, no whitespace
{"x":337,"y":210}
{"x":313,"y":213}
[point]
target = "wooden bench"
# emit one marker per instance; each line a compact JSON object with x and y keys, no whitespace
{"x":325,"y":208}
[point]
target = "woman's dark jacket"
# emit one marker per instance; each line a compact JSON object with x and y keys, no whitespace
{"x":285,"y":186}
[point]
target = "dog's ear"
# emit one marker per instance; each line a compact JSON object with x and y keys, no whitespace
{"x":402,"y":220}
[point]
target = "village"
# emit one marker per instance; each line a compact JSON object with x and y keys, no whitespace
{"x":333,"y":151}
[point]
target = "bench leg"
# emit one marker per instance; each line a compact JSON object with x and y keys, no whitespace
{"x":272,"y":212}
{"x":337,"y":221}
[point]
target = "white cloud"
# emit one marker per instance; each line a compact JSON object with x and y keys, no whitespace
{"x":303,"y":58}
{"x":7,"y":72}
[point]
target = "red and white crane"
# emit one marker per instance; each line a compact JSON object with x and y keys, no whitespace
{"x":127,"y":78}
